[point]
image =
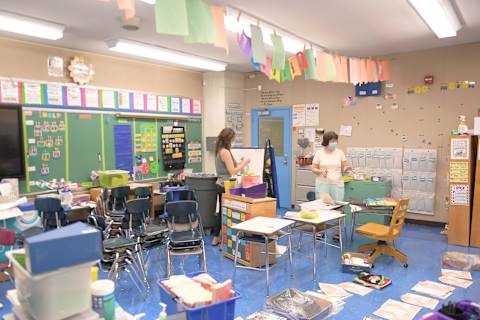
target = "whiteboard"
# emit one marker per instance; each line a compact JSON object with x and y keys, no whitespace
{"x":256,"y":156}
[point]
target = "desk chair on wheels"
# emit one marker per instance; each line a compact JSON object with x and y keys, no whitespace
{"x":385,"y":235}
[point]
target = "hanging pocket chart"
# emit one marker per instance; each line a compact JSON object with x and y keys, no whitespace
{"x":123,"y":147}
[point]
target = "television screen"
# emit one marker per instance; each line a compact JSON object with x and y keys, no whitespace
{"x":11,"y":142}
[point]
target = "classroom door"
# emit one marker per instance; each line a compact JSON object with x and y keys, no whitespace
{"x":276,"y":124}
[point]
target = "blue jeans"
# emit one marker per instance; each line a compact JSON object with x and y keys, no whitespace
{"x":336,"y":191}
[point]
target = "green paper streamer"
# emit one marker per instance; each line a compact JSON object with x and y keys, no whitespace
{"x":278,"y":61}
{"x":286,"y":73}
{"x":331,"y":72}
{"x":311,"y":71}
{"x":201,"y":24}
{"x":258,"y":47}
{"x":171,"y":17}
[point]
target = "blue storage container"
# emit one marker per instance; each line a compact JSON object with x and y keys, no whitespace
{"x":224,"y":310}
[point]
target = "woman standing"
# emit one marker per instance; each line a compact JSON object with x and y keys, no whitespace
{"x":329,"y":164}
{"x":226,"y":167}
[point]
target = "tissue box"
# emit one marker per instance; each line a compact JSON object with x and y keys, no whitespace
{"x":60,"y":248}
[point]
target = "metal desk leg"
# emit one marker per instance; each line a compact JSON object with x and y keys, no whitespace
{"x":340,"y":234}
{"x":237,"y":241}
{"x":353,"y":226}
{"x":290,"y":251}
{"x":267,"y":266}
{"x":314,"y":252}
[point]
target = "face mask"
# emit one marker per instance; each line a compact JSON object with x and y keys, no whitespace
{"x":332,"y":145}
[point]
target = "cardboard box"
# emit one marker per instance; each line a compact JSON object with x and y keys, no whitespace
{"x":352,"y":268}
{"x":60,"y":248}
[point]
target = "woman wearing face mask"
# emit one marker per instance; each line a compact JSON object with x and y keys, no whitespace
{"x":226,"y":167}
{"x":329,"y":164}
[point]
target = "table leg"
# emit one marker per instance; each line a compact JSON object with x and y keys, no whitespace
{"x":237,"y":241}
{"x":314,"y":252}
{"x":267,"y":266}
{"x":353,"y":226}
{"x":290,"y":251}
{"x":340,"y":234}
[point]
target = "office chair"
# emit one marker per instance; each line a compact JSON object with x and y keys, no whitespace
{"x":385,"y":234}
{"x":185,"y":230}
{"x":51,"y":213}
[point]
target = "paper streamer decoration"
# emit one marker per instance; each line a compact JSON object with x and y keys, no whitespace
{"x":383,"y":70}
{"x":321,"y":65}
{"x":245,"y":44}
{"x":266,"y":68}
{"x":258,"y":47}
{"x":286,"y":72}
{"x":331,"y":72}
{"x":311,"y":71}
{"x":295,"y":69}
{"x":278,"y":60}
{"x":354,"y":72}
{"x":372,"y":73}
{"x":145,"y":167}
{"x":171,"y":17}
{"x":255,"y":65}
{"x":221,"y":39}
{"x":275,"y":74}
{"x":128,"y":7}
{"x":201,"y":24}
{"x":341,"y":67}
{"x":302,"y":61}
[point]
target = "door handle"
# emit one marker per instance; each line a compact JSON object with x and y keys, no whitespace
{"x":285,"y":159}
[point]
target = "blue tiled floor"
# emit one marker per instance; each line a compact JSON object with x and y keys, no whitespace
{"x":423,"y":245}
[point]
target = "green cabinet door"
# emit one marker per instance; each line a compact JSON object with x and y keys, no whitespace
{"x":361,"y":190}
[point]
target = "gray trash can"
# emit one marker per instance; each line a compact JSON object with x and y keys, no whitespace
{"x":204,"y":185}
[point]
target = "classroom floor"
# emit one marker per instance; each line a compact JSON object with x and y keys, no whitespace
{"x":424,"y":246}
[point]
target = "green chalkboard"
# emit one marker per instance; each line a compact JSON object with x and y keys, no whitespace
{"x":83,"y":142}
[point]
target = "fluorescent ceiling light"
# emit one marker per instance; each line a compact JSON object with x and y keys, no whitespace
{"x":30,"y":27}
{"x":439,"y":15}
{"x":165,"y":55}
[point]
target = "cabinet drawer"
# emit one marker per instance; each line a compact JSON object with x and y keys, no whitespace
{"x":305,"y":178}
{"x":301,"y":192}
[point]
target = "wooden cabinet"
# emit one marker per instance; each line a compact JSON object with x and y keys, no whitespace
{"x":236,"y":209}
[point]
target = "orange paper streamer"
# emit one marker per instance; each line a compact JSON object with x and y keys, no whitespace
{"x":221,"y":39}
{"x":372,"y":74}
{"x":295,"y":68}
{"x":362,"y":70}
{"x":321,"y":66}
{"x":354,"y":72}
{"x":128,"y":7}
{"x":341,"y":66}
{"x":383,"y":70}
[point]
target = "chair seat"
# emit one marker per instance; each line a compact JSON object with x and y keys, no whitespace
{"x":117,"y":242}
{"x":185,"y":236}
{"x":376,"y":231}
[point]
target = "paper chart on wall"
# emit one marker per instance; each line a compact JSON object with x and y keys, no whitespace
{"x":74,"y":96}
{"x":185,"y":105}
{"x":138,"y":101}
{"x":108,"y":99}
{"x":175,"y":101}
{"x":458,"y":171}
{"x":197,"y":106}
{"x":345,"y":131}
{"x":32,"y":93}
{"x":459,"y":149}
{"x":459,"y":194}
{"x":151,"y":103}
{"x":91,"y":98}
{"x":123,"y":100}
{"x":9,"y":91}
{"x":312,"y":114}
{"x":310,"y":134}
{"x":54,"y":94}
{"x":298,"y":115}
{"x":162,"y":104}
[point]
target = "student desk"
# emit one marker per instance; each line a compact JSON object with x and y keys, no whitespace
{"x":268,"y":229}
{"x":322,"y":224}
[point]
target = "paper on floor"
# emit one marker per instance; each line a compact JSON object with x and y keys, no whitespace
{"x":355,"y":288}
{"x":456,"y":281}
{"x":419,"y":300}
{"x":433,"y":289}
{"x":396,"y":310}
{"x":457,"y":274}
{"x":333,"y":290}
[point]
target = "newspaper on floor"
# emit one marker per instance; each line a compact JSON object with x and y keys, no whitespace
{"x":419,"y":300}
{"x":355,"y":288}
{"x":462,"y":283}
{"x":333,"y":290}
{"x":433,"y":289}
{"x":457,"y":274}
{"x":337,"y":303}
{"x":396,"y":310}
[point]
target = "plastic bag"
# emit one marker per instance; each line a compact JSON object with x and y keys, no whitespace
{"x":460,"y":260}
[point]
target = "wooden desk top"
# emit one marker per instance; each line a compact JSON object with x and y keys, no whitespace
{"x":263,"y":225}
{"x":247,"y":199}
{"x":325,"y":216}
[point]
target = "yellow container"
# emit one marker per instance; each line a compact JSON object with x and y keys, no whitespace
{"x":228,"y":185}
{"x":94,"y":273}
{"x":113,"y":178}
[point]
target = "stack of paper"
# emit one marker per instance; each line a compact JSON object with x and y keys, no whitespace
{"x":337,"y":303}
{"x":396,"y":310}
{"x":433,"y":289}
{"x":264,"y":315}
{"x":457,"y":274}
{"x":333,"y":290}
{"x":318,"y":205}
{"x":462,"y":283}
{"x":355,"y":288}
{"x":419,"y":300}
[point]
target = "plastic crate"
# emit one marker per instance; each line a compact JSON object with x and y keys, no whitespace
{"x":224,"y":310}
{"x":113,"y":178}
{"x":54,"y":295}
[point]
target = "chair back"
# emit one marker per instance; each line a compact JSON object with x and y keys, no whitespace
{"x":182,"y":212}
{"x":119,"y":196}
{"x":142,"y":192}
{"x":398,"y":218}
{"x":311,"y":196}
{"x":50,"y":210}
{"x":7,"y":237}
{"x":138,"y":211}
{"x":180,"y":195}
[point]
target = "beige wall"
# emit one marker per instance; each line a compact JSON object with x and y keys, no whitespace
{"x":425,"y":119}
{"x":29,"y":61}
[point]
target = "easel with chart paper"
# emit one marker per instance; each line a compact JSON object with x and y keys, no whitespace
{"x":461,"y":177}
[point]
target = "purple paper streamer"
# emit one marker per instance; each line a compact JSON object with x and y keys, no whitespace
{"x":245,"y":44}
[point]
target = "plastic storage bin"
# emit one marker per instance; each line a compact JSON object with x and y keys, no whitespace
{"x":113,"y":178}
{"x":54,"y":295}
{"x":258,"y":191}
{"x":224,"y":310}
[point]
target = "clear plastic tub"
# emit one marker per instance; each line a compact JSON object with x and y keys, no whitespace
{"x":53,"y":295}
